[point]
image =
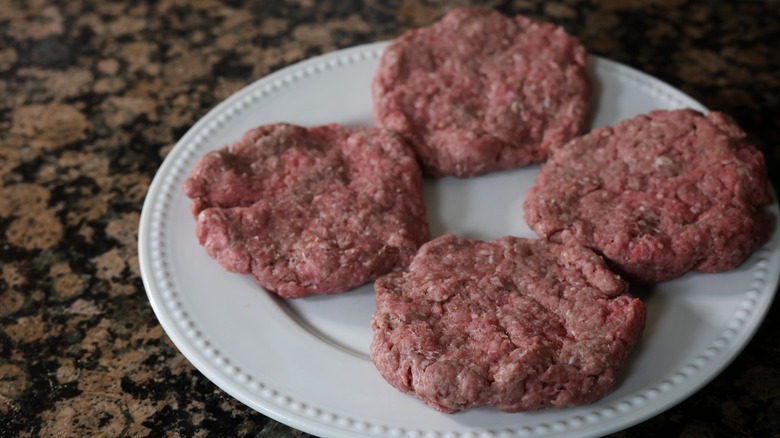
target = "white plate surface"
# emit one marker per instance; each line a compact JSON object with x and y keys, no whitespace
{"x":305,"y":362}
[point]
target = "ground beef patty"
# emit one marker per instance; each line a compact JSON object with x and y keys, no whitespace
{"x":477,"y":92}
{"x":514,"y":323}
{"x":310,"y":210}
{"x":657,"y":195}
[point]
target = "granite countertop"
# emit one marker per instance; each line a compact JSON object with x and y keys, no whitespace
{"x":96,"y":93}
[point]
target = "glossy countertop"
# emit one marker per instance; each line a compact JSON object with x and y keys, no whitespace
{"x":94,"y":94}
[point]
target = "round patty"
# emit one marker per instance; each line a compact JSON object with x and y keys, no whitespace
{"x":514,"y":323}
{"x":310,"y":210}
{"x":657,"y":195}
{"x":478,"y":92}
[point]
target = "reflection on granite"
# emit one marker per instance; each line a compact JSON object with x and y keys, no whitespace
{"x":94,"y":94}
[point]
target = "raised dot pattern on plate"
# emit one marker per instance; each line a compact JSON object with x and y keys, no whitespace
{"x":198,"y":140}
{"x":190,"y":151}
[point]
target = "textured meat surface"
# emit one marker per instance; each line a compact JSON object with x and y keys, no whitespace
{"x":310,"y":210}
{"x":657,"y":195}
{"x":514,"y":323}
{"x":477,"y":91}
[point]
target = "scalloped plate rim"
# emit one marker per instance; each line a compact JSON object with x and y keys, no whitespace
{"x":162,"y":278}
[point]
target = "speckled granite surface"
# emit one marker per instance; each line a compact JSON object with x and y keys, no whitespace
{"x":95,"y":93}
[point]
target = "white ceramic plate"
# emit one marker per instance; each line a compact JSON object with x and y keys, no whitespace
{"x":305,"y":362}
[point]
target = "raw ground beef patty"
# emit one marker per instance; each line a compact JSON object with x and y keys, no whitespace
{"x":477,"y":91}
{"x":310,"y":210}
{"x":657,"y":195}
{"x":514,"y":323}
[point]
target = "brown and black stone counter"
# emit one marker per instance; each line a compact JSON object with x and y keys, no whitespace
{"x":93,"y":94}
